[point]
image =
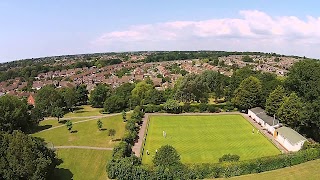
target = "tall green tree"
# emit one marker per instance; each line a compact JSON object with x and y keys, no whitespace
{"x":114,"y":103}
{"x":58,"y":113}
{"x":191,"y":88}
{"x":290,"y":111}
{"x":99,"y":95}
{"x":304,"y":79}
{"x":141,"y":92}
{"x":25,"y":157}
{"x":215,"y":81}
{"x":275,"y":100}
{"x":166,"y":156}
{"x":248,"y":94}
{"x":48,"y":98}
{"x":14,"y":115}
{"x":69,"y":97}
{"x":82,"y":94}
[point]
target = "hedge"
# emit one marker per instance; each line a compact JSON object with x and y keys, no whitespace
{"x":187,"y":107}
{"x":218,"y":170}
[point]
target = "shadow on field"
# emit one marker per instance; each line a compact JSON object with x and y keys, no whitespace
{"x":63,"y":121}
{"x":61,"y":173}
{"x":77,"y":108}
{"x":74,"y":131}
{"x":40,"y":128}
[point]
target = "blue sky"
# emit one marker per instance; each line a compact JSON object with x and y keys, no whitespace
{"x":37,"y":28}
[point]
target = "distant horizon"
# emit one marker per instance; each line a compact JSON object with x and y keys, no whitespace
{"x":118,"y":52}
{"x":32,"y":29}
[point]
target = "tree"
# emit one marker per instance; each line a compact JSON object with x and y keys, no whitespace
{"x":248,"y":94}
{"x":69,"y":97}
{"x":290,"y":111}
{"x":82,"y":94}
{"x":166,"y":156}
{"x":69,"y":125}
{"x":99,"y":95}
{"x":57,"y":112}
{"x":275,"y":100}
{"x":304,"y":79}
{"x":172,"y":106}
{"x":14,"y":115}
{"x":191,"y":88}
{"x":47,"y":99}
{"x":99,"y":124}
{"x":112,"y":133}
{"x":25,"y":157}
{"x":215,"y":81}
{"x":141,"y":92}
{"x":114,"y":103}
{"x":124,"y":116}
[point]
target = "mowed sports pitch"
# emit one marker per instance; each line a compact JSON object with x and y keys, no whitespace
{"x":204,"y":139}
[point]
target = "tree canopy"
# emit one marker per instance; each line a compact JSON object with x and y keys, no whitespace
{"x":14,"y":115}
{"x":248,"y":94}
{"x":24,"y":157}
{"x":275,"y":100}
{"x":99,"y":95}
{"x":166,"y":156}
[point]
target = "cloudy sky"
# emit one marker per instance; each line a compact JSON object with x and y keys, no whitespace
{"x":38,"y":28}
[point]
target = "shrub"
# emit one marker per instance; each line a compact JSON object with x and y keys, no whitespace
{"x":202,"y":107}
{"x":229,"y":158}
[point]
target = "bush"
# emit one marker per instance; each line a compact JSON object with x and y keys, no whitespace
{"x":212,"y":108}
{"x":202,"y":107}
{"x":229,"y":158}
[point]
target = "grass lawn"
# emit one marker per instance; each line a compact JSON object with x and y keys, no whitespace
{"x":54,"y":122}
{"x":308,"y":170}
{"x":204,"y":139}
{"x":83,"y":111}
{"x":82,"y":164}
{"x":87,"y":133}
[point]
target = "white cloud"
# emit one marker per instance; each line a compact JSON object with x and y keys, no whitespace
{"x":252,"y":31}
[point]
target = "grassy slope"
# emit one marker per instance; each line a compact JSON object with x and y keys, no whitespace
{"x":204,"y":139}
{"x":87,"y":133}
{"x":82,"y":164}
{"x":308,"y":170}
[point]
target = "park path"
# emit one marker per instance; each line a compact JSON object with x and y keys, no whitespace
{"x":90,"y":119}
{"x":82,"y":147}
{"x":138,"y":145}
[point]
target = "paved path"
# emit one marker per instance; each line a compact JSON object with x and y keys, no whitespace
{"x":91,"y":118}
{"x":138,"y":145}
{"x":82,"y":147}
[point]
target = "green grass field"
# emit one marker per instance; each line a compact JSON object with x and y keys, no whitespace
{"x":85,"y":110}
{"x":82,"y":164}
{"x":204,"y":139}
{"x":87,"y":133}
{"x":308,"y":170}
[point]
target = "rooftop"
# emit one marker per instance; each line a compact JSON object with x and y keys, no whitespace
{"x":291,"y":135}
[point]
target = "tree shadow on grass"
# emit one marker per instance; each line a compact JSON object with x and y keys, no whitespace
{"x":63,"y":121}
{"x":61,"y":173}
{"x":40,"y":128}
{"x":103,"y":129}
{"x":77,"y":108}
{"x":74,"y":131}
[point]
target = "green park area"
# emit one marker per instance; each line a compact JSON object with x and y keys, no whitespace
{"x":308,"y":170}
{"x":204,"y":139}
{"x":82,"y":163}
